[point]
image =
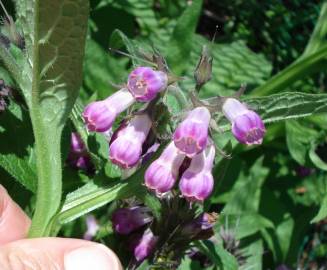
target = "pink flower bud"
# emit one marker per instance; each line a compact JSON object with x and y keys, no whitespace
{"x":145,"y":83}
{"x":191,"y":135}
{"x":196,"y":183}
{"x":163,"y":172}
{"x":127,"y":220}
{"x":92,"y":227}
{"x":100,"y":115}
{"x":126,"y":149}
{"x":78,"y":156}
{"x":76,"y":144}
{"x":247,"y":126}
{"x":143,"y":245}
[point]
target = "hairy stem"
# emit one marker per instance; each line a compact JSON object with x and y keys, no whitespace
{"x":47,"y":146}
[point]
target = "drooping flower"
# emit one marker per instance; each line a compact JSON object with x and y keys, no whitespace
{"x":127,"y":220}
{"x":163,"y":172}
{"x":143,"y":245}
{"x":191,"y":135}
{"x":126,"y":149}
{"x":92,"y":227}
{"x":100,"y":115}
{"x":145,"y":83}
{"x":247,"y":126}
{"x":197,"y":182}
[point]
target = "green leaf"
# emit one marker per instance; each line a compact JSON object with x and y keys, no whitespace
{"x":285,"y":106}
{"x":101,"y":69}
{"x":143,"y":13}
{"x":322,"y":214}
{"x":118,"y":40}
{"x":219,"y":256}
{"x":96,"y":194}
{"x":316,"y":160}
{"x":288,"y":105}
{"x":181,"y":42}
{"x":253,"y":253}
{"x":299,"y":138}
{"x":16,"y":154}
{"x":240,"y":202}
{"x":152,"y":202}
{"x":55,"y":50}
{"x":234,"y":64}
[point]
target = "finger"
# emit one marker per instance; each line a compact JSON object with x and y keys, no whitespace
{"x":58,"y":254}
{"x":14,"y":223}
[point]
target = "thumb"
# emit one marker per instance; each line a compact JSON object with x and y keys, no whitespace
{"x":58,"y":254}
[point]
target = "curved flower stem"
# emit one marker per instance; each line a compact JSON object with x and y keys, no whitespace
{"x":298,"y":70}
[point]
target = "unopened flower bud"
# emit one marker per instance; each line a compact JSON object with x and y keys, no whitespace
{"x":92,"y":227}
{"x":78,"y":156}
{"x":143,"y":245}
{"x":126,"y":150}
{"x":201,"y":227}
{"x":247,"y":126}
{"x":203,"y":70}
{"x":191,"y":135}
{"x":145,"y":83}
{"x":163,"y":172}
{"x":100,"y":115}
{"x":127,"y":220}
{"x":197,"y":182}
{"x":76,"y":143}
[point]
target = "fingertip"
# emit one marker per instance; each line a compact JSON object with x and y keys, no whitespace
{"x":95,"y":256}
{"x":14,"y":223}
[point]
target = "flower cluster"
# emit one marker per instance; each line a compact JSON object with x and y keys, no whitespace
{"x":189,"y":157}
{"x":190,"y":141}
{"x":134,"y":220}
{"x":126,"y":144}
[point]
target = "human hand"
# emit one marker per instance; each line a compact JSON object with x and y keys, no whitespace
{"x":17,"y":253}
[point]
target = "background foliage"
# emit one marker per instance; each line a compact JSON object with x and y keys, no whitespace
{"x":275,"y":213}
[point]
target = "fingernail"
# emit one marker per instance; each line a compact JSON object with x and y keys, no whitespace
{"x":92,"y":257}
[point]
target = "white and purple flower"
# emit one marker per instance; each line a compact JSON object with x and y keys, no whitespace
{"x":163,"y":172}
{"x":247,"y":126}
{"x":126,"y":149}
{"x":191,"y":135}
{"x":145,"y":83}
{"x":99,"y":116}
{"x":197,"y":182}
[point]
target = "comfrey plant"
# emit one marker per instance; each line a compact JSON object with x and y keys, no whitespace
{"x":155,"y":151}
{"x":183,"y":168}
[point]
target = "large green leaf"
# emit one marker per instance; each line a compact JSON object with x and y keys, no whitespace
{"x":51,"y":75}
{"x":299,"y":138}
{"x":234,"y":64}
{"x":16,"y":154}
{"x":181,"y":43}
{"x":100,"y":69}
{"x":240,"y":202}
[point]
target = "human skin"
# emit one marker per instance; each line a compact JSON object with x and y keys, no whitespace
{"x":18,"y":253}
